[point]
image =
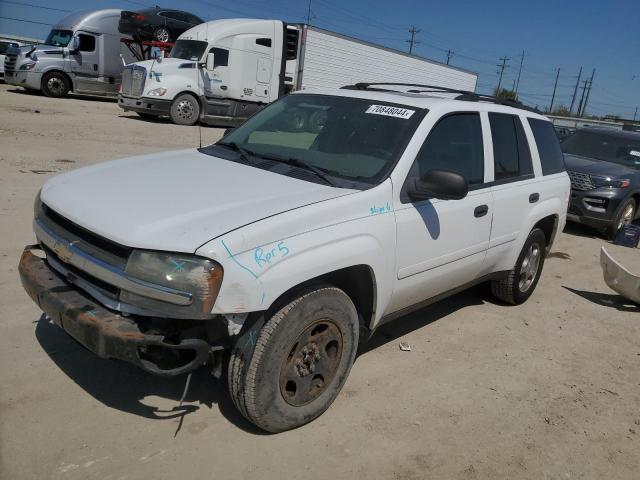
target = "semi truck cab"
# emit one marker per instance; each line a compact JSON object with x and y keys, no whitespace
{"x":221,"y":71}
{"x":82,"y":54}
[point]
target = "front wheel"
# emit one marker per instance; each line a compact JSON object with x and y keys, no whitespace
{"x":626,"y":215}
{"x":300,"y":361}
{"x":185,"y":110}
{"x":55,"y":84}
{"x":523,"y":278}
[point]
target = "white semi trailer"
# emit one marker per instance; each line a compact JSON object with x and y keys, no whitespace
{"x":223,"y":71}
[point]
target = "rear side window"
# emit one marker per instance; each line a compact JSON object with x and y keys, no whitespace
{"x":455,"y":144}
{"x":87,"y":43}
{"x":548,"y":146}
{"x":511,"y":156}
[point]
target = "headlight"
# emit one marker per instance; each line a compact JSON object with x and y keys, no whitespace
{"x":27,"y":66}
{"x":610,"y":183}
{"x":198,"y":276}
{"x":157,"y":92}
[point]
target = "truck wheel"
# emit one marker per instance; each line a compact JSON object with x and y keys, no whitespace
{"x":185,"y":110}
{"x":300,"y":361}
{"x":626,"y":215}
{"x":522,"y":280}
{"x":55,"y":84}
{"x":162,"y":34}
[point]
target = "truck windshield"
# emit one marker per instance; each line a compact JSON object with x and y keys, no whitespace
{"x":58,"y":38}
{"x":355,"y":142}
{"x":188,"y":49}
{"x":615,"y":148}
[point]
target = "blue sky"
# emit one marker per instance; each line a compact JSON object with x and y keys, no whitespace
{"x":563,"y":34}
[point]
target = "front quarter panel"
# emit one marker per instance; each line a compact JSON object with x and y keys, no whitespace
{"x":265,"y":259}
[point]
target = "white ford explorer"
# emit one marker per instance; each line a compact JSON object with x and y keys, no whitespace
{"x":278,"y":249}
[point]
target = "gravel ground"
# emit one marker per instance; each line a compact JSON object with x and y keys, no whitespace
{"x":549,"y":389}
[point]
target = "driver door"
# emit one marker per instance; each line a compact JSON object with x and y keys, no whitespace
{"x":85,"y":63}
{"x":216,"y":81}
{"x":442,"y":244}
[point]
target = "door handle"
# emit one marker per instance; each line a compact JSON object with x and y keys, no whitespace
{"x":480,"y":211}
{"x":534,"y":197}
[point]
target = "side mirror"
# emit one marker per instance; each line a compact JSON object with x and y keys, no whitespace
{"x":210,"y":61}
{"x":441,"y":184}
{"x":74,"y":44}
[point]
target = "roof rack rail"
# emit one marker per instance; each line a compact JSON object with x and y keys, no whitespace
{"x":464,"y":95}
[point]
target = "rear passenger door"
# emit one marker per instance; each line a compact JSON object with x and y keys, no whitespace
{"x":514,"y":187}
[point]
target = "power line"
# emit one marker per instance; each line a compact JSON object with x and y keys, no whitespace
{"x":26,"y":21}
{"x":413,"y":31}
{"x":35,"y":6}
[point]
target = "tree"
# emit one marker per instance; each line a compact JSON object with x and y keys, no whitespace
{"x":505,"y":94}
{"x":562,"y":111}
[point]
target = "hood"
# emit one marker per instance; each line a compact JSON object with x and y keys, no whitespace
{"x":175,"y":201}
{"x":593,"y":166}
{"x":166,"y":64}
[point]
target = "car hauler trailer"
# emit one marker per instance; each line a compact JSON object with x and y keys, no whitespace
{"x":223,"y":71}
{"x":83,"y":53}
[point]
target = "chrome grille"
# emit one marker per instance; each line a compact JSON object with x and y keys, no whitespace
{"x":581,"y":181}
{"x":10,"y":62}
{"x":133,"y":78}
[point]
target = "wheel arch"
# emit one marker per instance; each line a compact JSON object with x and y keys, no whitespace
{"x":549,"y":226}
{"x":358,"y":283}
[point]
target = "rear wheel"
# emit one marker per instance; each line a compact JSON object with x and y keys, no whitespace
{"x":162,"y":34}
{"x":185,"y":110}
{"x":523,"y":278}
{"x":300,"y":362}
{"x":626,"y":215}
{"x":55,"y":84}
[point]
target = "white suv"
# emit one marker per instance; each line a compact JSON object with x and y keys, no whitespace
{"x":281,"y":247}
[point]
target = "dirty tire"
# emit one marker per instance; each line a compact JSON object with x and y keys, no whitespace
{"x":256,"y":387}
{"x":55,"y":84}
{"x":625,"y":215}
{"x":185,"y":110}
{"x":509,"y":289}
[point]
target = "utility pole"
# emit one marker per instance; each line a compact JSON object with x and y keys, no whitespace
{"x":555,"y":86}
{"x":309,"y":13}
{"x":501,"y":67}
{"x":449,"y":55}
{"x":575,"y":90}
{"x":413,"y":31}
{"x":519,"y":72}
{"x":586,"y":100}
{"x":584,"y":89}
{"x":634,"y":114}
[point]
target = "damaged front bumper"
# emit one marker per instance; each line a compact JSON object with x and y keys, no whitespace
{"x":106,"y":333}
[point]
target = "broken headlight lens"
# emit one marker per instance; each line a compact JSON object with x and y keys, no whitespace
{"x":197,"y":276}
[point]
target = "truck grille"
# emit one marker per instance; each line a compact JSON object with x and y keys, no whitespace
{"x":581,"y":181}
{"x":92,"y":245}
{"x":10,"y":62}
{"x":133,"y":78}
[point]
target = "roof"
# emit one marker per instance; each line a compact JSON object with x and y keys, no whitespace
{"x":429,"y":101}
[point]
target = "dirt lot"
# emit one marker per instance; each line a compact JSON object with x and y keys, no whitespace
{"x":550,"y":389}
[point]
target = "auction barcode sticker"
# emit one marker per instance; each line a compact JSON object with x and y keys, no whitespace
{"x":390,"y":111}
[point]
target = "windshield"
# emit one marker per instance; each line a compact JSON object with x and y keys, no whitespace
{"x":604,"y":146}
{"x":188,"y":49}
{"x":58,"y":38}
{"x":356,"y":141}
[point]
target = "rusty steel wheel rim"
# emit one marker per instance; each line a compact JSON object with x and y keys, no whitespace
{"x":311,"y":363}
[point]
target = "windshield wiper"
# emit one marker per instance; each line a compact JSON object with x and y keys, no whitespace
{"x":243,"y":153}
{"x":296,"y":162}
